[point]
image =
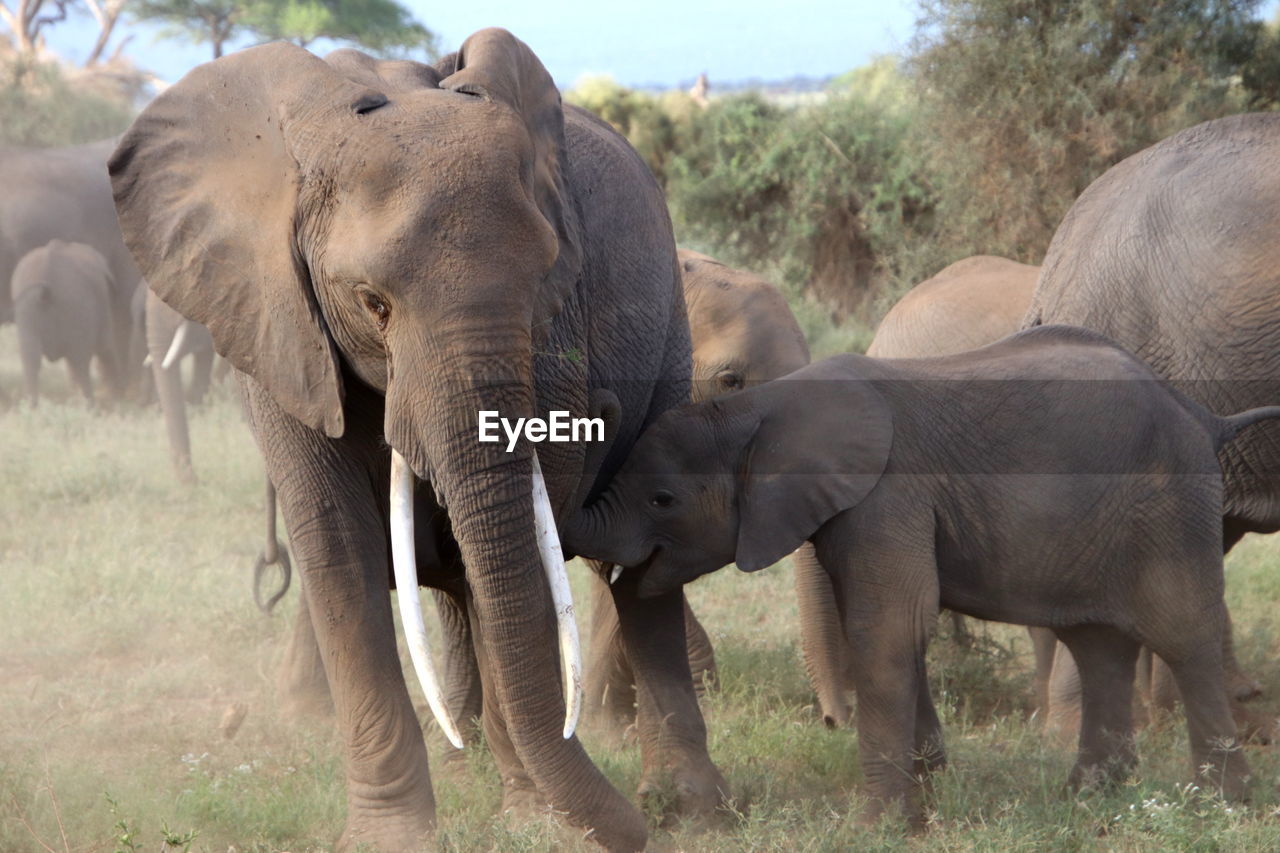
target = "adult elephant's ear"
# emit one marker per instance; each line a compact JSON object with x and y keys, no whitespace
{"x":495,"y":65}
{"x":807,"y":463}
{"x":206,"y":185}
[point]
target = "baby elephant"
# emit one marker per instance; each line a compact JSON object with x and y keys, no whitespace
{"x":1047,"y":479}
{"x":60,"y":302}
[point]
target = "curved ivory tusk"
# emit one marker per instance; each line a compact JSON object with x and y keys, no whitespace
{"x":406,"y":570}
{"x":614,"y":574}
{"x":558,"y":577}
{"x":177,"y":346}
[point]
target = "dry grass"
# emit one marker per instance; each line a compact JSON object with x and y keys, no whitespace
{"x":127,"y":628}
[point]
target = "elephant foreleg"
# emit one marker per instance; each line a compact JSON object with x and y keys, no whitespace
{"x":610,"y":693}
{"x":201,"y":375}
{"x":174,"y":407}
{"x":326,"y":490}
{"x":672,"y":734}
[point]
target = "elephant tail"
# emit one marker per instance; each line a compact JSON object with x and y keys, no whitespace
{"x":1232,"y":426}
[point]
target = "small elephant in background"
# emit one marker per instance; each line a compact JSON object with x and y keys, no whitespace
{"x":967,"y":305}
{"x":61,"y":296}
{"x":995,"y":483}
{"x":170,"y":338}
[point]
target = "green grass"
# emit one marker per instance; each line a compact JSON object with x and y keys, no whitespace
{"x":127,"y":628}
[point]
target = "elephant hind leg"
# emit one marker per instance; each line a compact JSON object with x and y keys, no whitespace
{"x":1196,"y":661}
{"x":610,"y":696}
{"x":301,"y":681}
{"x":1106,"y":660}
{"x":78,"y":368}
{"x":464,"y":692}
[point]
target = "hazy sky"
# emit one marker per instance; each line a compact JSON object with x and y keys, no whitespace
{"x":652,"y":41}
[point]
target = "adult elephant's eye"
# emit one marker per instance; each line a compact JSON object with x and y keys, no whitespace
{"x":662,"y":499}
{"x":377,"y":307}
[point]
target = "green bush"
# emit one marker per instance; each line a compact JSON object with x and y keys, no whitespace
{"x":1024,"y":103}
{"x":819,"y":194}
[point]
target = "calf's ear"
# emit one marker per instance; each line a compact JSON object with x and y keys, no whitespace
{"x":809,"y":460}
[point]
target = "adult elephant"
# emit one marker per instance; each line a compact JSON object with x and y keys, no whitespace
{"x":384,"y":249}
{"x":969,"y":304}
{"x":64,"y":194}
{"x":742,"y":332}
{"x":1172,"y":254}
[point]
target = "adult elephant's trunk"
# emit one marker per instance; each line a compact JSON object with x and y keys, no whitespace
{"x":493,"y":509}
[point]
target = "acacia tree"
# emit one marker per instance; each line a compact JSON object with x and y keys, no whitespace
{"x":379,"y":25}
{"x":26,"y":18}
{"x":383,"y":26}
{"x":1025,"y":102}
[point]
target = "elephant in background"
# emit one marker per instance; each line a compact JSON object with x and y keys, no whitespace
{"x":967,"y":305}
{"x":64,"y":194}
{"x":928,"y":483}
{"x":171,"y":338}
{"x":1172,"y":253}
{"x":382,"y":250}
{"x":61,"y":300}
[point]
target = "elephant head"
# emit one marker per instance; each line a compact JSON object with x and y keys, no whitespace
{"x":392,"y":224}
{"x":742,"y":330}
{"x":746,"y":478}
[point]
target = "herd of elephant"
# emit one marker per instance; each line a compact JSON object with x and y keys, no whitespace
{"x":381,"y":249}
{"x":69,"y":284}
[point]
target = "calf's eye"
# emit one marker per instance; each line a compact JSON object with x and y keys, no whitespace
{"x":662,"y":499}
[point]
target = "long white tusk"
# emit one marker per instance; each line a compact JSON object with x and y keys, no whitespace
{"x":614,"y":574}
{"x":405,"y":562}
{"x":176,"y":346}
{"x":558,"y":577}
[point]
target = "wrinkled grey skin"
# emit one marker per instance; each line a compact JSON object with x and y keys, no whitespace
{"x":63,"y":194}
{"x":61,"y":296}
{"x":383,"y":249}
{"x":162,"y":324}
{"x":961,"y":482}
{"x":969,"y":304}
{"x":1173,"y":254}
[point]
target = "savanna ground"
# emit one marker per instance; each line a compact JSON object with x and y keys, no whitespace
{"x":127,"y":629}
